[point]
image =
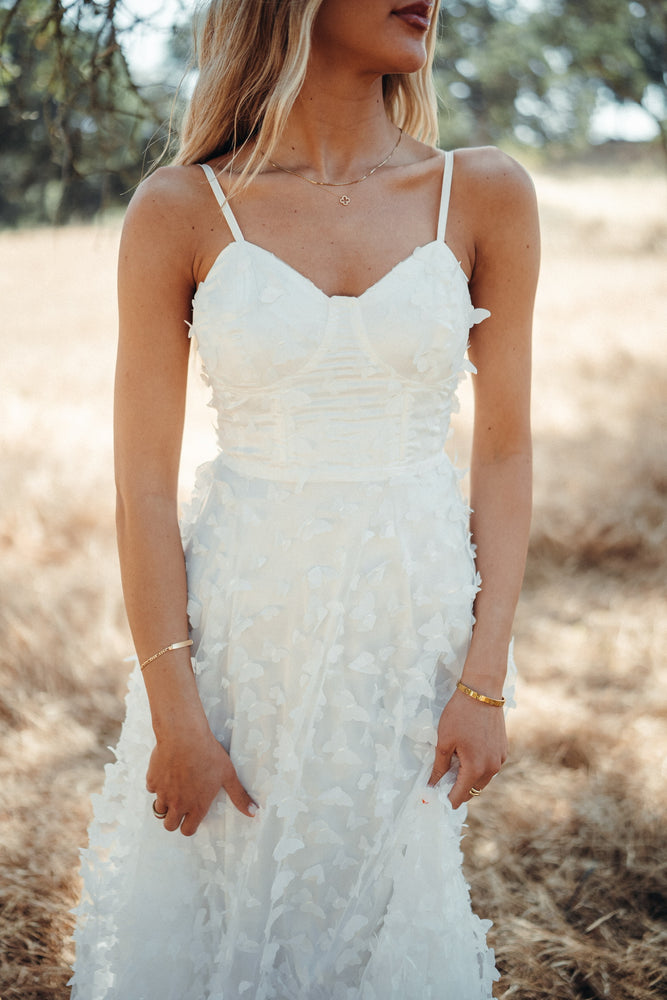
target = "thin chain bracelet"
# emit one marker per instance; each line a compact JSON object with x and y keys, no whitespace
{"x":161,"y":652}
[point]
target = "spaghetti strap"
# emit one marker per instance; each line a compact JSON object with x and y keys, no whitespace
{"x":447,"y":173}
{"x":223,"y":202}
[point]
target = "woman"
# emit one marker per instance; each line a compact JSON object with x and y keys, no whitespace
{"x":316,"y":750}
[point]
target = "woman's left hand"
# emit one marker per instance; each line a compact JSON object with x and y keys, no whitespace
{"x":476,"y":734}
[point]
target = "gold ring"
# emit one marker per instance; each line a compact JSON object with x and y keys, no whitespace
{"x":157,"y":814}
{"x":475,"y":791}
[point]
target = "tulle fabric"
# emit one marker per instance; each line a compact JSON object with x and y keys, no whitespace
{"x":331,"y":582}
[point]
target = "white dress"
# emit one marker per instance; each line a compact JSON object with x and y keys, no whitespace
{"x":331,"y":581}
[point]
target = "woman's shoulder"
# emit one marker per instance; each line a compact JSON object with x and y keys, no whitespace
{"x":169,"y":192}
{"x":498,"y":200}
{"x":167,"y":211}
{"x":493,"y":178}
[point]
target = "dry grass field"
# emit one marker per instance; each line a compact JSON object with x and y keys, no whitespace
{"x":567,"y":849}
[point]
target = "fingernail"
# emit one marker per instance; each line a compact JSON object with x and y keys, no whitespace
{"x":252,"y":809}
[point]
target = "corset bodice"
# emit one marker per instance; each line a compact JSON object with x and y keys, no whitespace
{"x":307,"y":385}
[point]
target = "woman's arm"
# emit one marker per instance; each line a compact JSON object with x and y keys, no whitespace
{"x":506,"y":263}
{"x":155,"y":285}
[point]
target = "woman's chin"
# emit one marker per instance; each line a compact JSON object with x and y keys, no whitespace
{"x":406,"y":62}
{"x":408,"y":55}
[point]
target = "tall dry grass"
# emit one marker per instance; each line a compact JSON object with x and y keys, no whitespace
{"x":567,"y":852}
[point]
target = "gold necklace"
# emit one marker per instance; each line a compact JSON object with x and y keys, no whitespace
{"x":344,"y":199}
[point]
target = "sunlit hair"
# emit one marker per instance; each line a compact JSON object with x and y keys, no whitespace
{"x":252,"y":57}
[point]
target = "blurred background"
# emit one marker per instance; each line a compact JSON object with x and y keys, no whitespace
{"x":87,"y":89}
{"x":567,"y":851}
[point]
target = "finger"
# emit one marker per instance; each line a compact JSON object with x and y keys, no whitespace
{"x":466,"y":779}
{"x":160,"y":810}
{"x":190,"y":824}
{"x":441,"y":764}
{"x":237,"y":793}
{"x":173,"y":820}
{"x":150,"y":782}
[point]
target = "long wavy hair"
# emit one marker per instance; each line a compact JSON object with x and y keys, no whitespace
{"x":252,"y":57}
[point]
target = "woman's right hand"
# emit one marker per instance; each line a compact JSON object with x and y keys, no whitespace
{"x":186,"y":772}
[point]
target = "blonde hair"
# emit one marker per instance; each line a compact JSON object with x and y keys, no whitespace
{"x":252,"y":57}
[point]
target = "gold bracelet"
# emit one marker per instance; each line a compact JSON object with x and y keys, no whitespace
{"x":496,"y":702}
{"x":160,"y":652}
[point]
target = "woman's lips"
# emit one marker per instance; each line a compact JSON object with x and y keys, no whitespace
{"x":417,"y":15}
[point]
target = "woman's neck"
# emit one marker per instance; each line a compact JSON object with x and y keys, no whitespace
{"x":337,"y":128}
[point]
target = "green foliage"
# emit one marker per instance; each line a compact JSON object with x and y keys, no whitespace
{"x":618,"y":47}
{"x":536,"y":72}
{"x":487,"y":57}
{"x":74,"y":124}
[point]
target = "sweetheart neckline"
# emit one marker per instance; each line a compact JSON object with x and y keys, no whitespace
{"x":332,"y":298}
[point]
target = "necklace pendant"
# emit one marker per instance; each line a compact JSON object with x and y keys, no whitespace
{"x":344,"y":200}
